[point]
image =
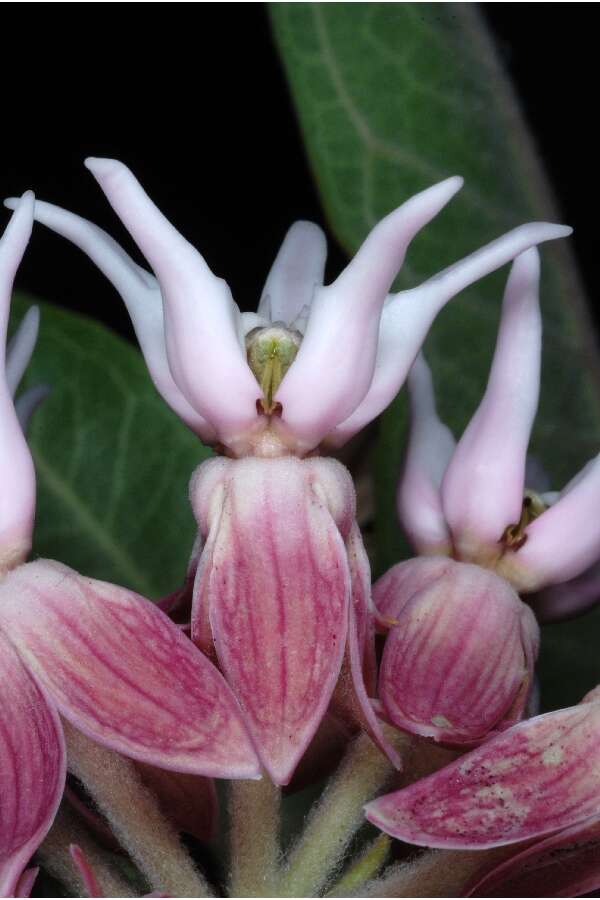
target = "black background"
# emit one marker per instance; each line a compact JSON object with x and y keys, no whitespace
{"x":193,"y":98}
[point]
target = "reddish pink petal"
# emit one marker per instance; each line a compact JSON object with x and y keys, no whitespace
{"x":190,"y":801}
{"x":399,"y":584}
{"x":123,"y":673}
{"x":32,"y":766}
{"x":26,"y":882}
{"x":455,"y":664}
{"x":86,"y":872}
{"x":278,"y":587}
{"x":566,"y":864}
{"x":537,"y":778}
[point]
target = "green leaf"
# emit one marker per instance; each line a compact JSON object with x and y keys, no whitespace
{"x":391,"y":98}
{"x":112,"y":461}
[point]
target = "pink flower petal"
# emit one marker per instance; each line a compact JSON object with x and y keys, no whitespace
{"x":566,"y":864}
{"x":398,"y":585}
{"x":295,"y":275}
{"x":534,"y":779}
{"x":455,"y":665}
{"x":17,"y":475}
{"x":140,"y":293}
{"x":278,"y":588}
{"x":26,"y":882}
{"x":86,"y":872}
{"x":21,"y":346}
{"x":407,"y":316}
{"x":568,"y":599}
{"x":32,"y":766}
{"x":430,"y":447}
{"x":564,"y":541}
{"x":201,"y":319}
{"x":483,"y":486}
{"x":334,"y":366}
{"x":123,"y":673}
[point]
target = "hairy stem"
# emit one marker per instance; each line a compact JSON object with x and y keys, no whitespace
{"x":54,"y":855}
{"x":255,"y":848}
{"x":135,"y":817}
{"x":335,"y":819}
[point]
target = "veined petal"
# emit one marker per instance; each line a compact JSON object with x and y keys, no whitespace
{"x":278,"y":589}
{"x":482,"y":490}
{"x":455,"y":665}
{"x":17,"y":475}
{"x":568,"y":599}
{"x":430,"y":447}
{"x":407,"y":316}
{"x":201,"y":319}
{"x":21,"y":347}
{"x":140,"y":293}
{"x":296,"y":273}
{"x":32,"y":766}
{"x":534,"y":779}
{"x":564,"y":541}
{"x":123,"y":673}
{"x":335,"y":362}
{"x":398,"y":585}
{"x":566,"y":864}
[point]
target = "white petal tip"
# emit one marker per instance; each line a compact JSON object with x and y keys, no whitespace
{"x":101,"y":167}
{"x":11,"y":202}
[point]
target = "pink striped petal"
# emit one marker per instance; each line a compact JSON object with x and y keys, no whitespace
{"x":86,"y":872}
{"x":537,"y":778}
{"x":568,"y":599}
{"x":455,"y":667}
{"x":566,"y":864}
{"x":32,"y":766}
{"x":277,"y":588}
{"x":397,"y":586}
{"x":564,"y":541}
{"x":123,"y":673}
{"x":17,"y":475}
{"x":140,"y":293}
{"x":201,"y":319}
{"x":295,"y":275}
{"x":430,"y":447}
{"x":26,"y":882}
{"x":407,"y":316}
{"x":334,"y":366}
{"x":483,"y":486}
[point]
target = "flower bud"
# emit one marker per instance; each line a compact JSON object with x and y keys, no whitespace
{"x":458,"y":661}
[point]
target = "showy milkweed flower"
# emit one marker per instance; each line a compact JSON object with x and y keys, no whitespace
{"x":108,"y":660}
{"x":281,"y":587}
{"x":469,"y":500}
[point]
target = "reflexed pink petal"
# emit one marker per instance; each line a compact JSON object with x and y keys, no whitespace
{"x":123,"y":673}
{"x":32,"y":766}
{"x":398,"y":585}
{"x":407,"y":316}
{"x":296,"y":273}
{"x":278,"y":588}
{"x":86,"y":872}
{"x":482,"y":490}
{"x":335,"y":362}
{"x":26,"y":882}
{"x":455,"y":664}
{"x":140,"y":293}
{"x":430,"y":447}
{"x":189,"y":801}
{"x":566,"y":864}
{"x":17,"y":475}
{"x":538,"y":777}
{"x":568,"y":599}
{"x":201,"y":319}
{"x":21,"y":347}
{"x":564,"y":541}
{"x":360,"y":578}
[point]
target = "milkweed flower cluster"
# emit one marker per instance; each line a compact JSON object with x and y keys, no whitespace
{"x":280,"y":631}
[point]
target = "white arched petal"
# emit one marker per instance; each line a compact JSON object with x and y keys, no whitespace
{"x":483,"y":487}
{"x":27,"y":403}
{"x":17,"y":475}
{"x":430,"y":447}
{"x":21,"y":347}
{"x":201,"y":319}
{"x":408,"y":315}
{"x":140,"y":293}
{"x":297,"y":271}
{"x":335,"y":362}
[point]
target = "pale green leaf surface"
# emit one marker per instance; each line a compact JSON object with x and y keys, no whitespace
{"x":392,"y":97}
{"x":113,"y":462}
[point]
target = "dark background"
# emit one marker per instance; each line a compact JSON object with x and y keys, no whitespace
{"x":195,"y":101}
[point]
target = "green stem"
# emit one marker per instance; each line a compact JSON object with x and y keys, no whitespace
{"x":255,"y":808}
{"x":335,"y":819}
{"x":135,"y":817}
{"x":54,"y":855}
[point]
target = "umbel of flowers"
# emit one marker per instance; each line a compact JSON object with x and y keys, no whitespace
{"x":279,"y":659}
